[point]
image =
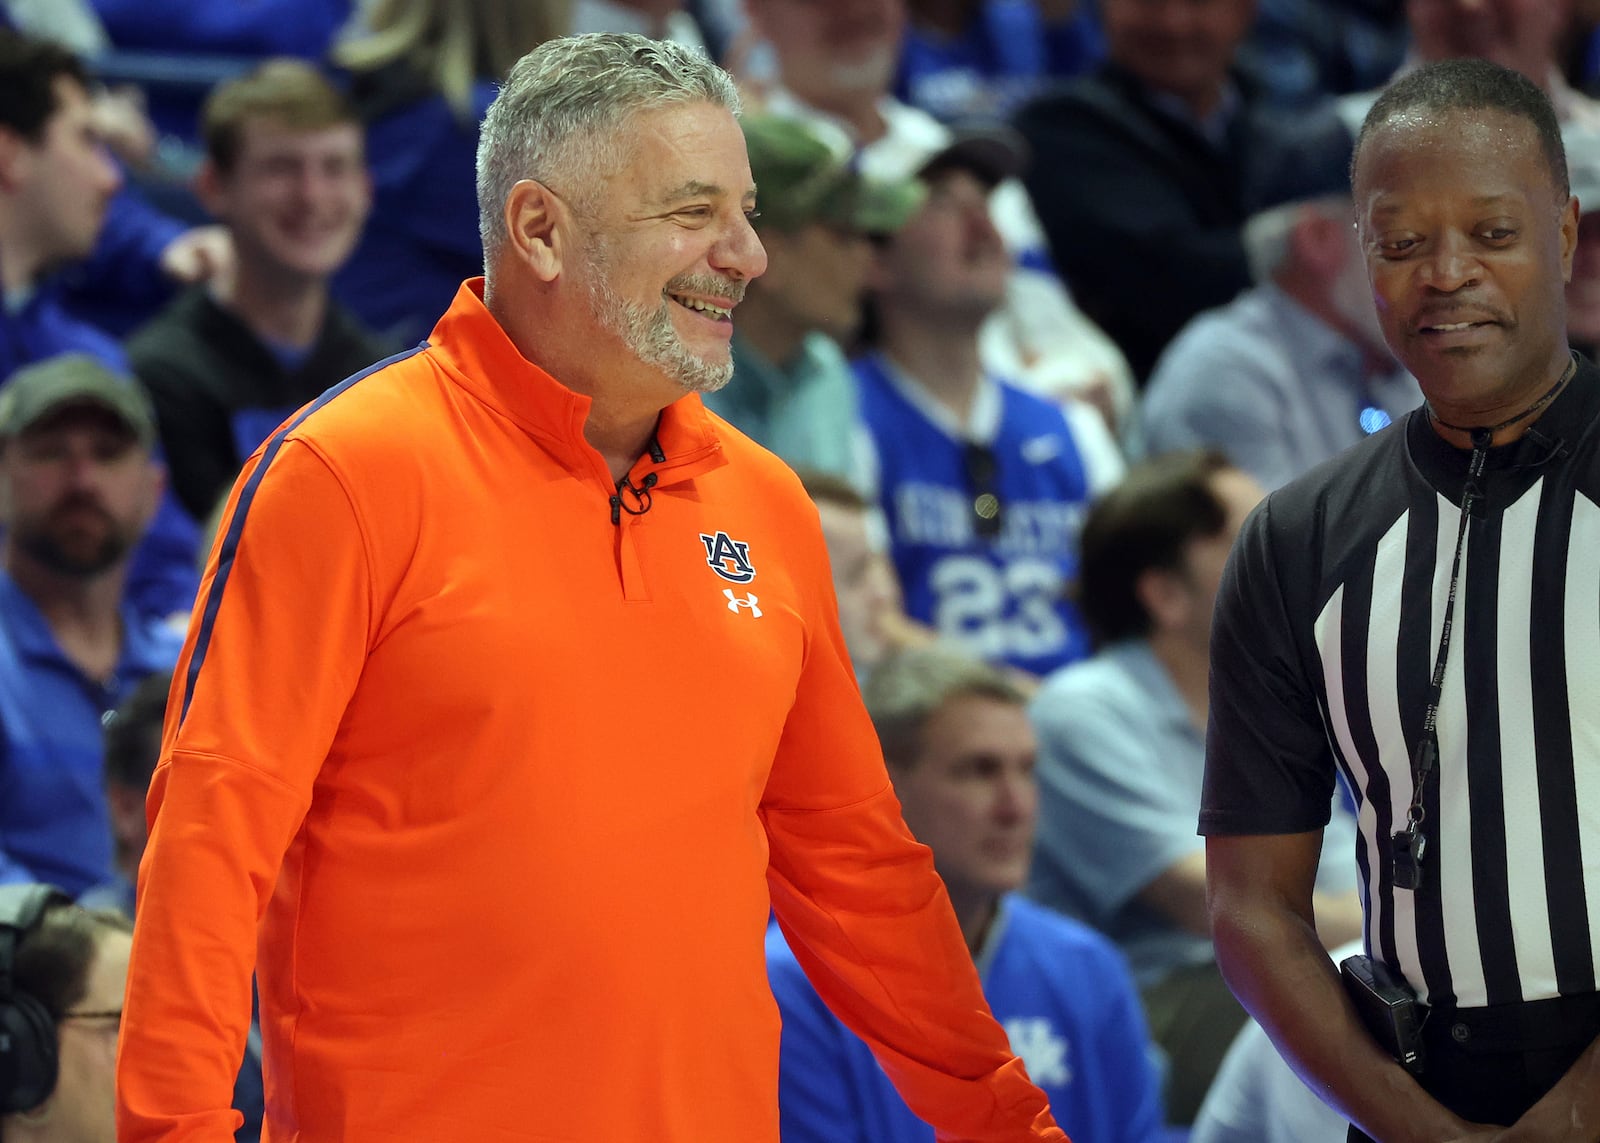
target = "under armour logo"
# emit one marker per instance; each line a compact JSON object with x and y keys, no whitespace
{"x":734,"y":602}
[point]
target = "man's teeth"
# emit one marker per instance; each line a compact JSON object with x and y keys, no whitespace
{"x":1453,"y":327}
{"x":707,"y":307}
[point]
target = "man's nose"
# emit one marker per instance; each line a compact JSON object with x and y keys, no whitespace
{"x":1450,"y":266}
{"x":739,"y":253}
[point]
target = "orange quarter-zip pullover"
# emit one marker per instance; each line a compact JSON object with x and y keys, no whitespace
{"x":493,"y":780}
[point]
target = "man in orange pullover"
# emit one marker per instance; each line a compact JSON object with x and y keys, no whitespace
{"x":516,"y":694}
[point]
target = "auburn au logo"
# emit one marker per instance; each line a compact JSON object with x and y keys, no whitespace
{"x":729,"y":558}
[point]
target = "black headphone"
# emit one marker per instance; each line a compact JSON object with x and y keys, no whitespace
{"x":27,"y":1030}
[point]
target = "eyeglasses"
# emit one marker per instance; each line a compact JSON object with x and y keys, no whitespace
{"x":112,"y":1014}
{"x":982,"y":470}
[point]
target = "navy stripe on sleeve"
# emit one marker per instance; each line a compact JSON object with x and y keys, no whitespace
{"x":230,"y":542}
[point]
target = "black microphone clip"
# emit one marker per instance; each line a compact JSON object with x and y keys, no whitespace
{"x":640,"y":493}
{"x":1553,"y":449}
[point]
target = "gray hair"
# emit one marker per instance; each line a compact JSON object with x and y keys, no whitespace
{"x":557,"y":118}
{"x":1266,"y":233}
{"x":913,"y":685}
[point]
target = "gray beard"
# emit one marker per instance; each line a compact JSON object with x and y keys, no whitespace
{"x":649,"y":333}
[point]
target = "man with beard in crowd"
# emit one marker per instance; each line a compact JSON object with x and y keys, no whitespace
{"x":78,"y":487}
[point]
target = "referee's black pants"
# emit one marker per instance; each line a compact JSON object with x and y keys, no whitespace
{"x":1489,"y":1065}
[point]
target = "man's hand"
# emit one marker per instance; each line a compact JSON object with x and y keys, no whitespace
{"x":1569,"y":1112}
{"x":123,"y":125}
{"x":200,"y":254}
{"x":1260,"y":891}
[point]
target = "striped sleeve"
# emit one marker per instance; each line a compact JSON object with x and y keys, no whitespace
{"x":274,"y":651}
{"x":1268,"y":769}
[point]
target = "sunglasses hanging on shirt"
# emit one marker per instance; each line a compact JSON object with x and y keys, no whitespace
{"x":982,"y":469}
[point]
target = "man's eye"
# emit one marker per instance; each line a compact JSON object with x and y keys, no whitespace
{"x":1499,"y":234}
{"x":1396,"y":246}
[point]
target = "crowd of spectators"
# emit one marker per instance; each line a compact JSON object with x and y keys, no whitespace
{"x":1056,"y":289}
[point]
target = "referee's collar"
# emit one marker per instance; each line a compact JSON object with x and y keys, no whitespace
{"x":1569,"y":417}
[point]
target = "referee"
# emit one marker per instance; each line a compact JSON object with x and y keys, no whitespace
{"x":1422,"y":615}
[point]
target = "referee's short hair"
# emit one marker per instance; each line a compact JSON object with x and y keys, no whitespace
{"x":1144,"y":523}
{"x":1470,"y":85}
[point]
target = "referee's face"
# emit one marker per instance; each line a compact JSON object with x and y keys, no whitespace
{"x":1469,"y":243}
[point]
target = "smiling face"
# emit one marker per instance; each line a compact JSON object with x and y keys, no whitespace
{"x":1468,"y":243}
{"x":669,"y":249}
{"x":295,"y":200}
{"x":971,"y":795}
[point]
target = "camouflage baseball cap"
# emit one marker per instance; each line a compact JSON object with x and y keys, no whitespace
{"x":46,"y":387}
{"x":803,"y":177}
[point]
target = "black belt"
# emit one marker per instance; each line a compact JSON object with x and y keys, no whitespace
{"x":1527,"y":1026}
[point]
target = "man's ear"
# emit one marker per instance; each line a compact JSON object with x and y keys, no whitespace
{"x":1164,"y":597}
{"x":1570,"y":219}
{"x":14,"y":152}
{"x":208,"y":188}
{"x":540,"y":228}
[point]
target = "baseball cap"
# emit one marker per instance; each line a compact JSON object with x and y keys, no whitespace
{"x":803,"y":177}
{"x":46,"y":387}
{"x":991,"y":151}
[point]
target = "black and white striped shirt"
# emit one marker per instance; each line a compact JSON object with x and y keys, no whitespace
{"x":1325,"y":634}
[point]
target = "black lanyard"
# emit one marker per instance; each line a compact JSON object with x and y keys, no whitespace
{"x":1411,"y":843}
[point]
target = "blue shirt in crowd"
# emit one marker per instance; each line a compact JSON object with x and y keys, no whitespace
{"x":1065,"y":1000}
{"x":121,"y":285}
{"x":302,"y":28}
{"x":1121,"y":764}
{"x":1007,"y":54}
{"x":54,"y":825}
{"x":1298,"y":391}
{"x":1001,"y":599}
